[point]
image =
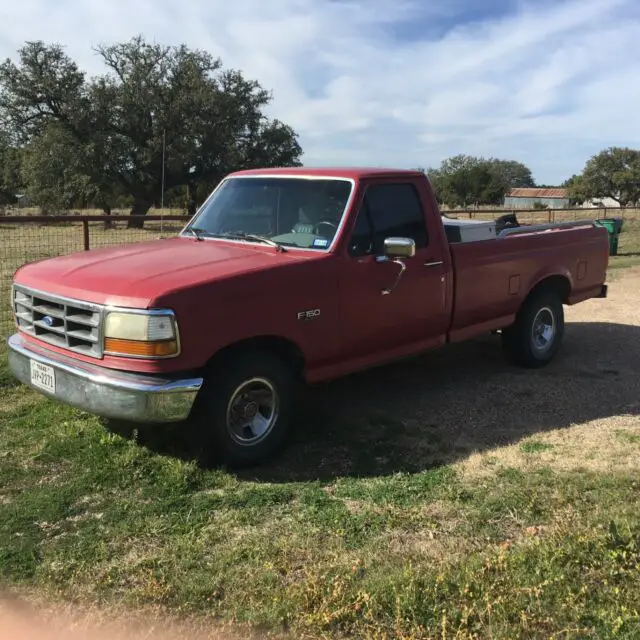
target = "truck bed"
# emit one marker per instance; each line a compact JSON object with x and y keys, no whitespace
{"x":492,"y":277}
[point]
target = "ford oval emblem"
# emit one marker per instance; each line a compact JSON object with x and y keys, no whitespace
{"x":48,"y":320}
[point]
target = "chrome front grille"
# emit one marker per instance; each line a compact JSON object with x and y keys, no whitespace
{"x":70,"y":324}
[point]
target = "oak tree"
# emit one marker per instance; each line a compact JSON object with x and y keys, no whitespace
{"x":613,"y":173}
{"x":159,"y":117}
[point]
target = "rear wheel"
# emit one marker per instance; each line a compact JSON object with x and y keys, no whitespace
{"x":243,"y":412}
{"x":536,"y":335}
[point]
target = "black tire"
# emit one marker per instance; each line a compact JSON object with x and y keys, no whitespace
{"x":521,"y":344}
{"x":218,"y":442}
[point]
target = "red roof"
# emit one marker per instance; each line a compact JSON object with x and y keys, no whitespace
{"x":353,"y":173}
{"x":532,"y":192}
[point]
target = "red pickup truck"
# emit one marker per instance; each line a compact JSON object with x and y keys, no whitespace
{"x":283,"y":277}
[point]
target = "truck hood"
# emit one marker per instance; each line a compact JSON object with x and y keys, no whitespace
{"x":135,"y":275}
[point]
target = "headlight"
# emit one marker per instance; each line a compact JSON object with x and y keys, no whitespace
{"x":148,"y":334}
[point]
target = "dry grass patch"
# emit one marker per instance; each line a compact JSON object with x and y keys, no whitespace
{"x":19,"y":401}
{"x":596,"y":447}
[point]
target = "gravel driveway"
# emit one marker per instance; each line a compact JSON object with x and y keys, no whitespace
{"x":465,"y":399}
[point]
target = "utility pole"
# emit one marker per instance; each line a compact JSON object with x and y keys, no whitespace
{"x":162,"y":194}
{"x":163,"y":154}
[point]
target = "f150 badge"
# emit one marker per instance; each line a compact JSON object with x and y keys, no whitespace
{"x":310,"y":314}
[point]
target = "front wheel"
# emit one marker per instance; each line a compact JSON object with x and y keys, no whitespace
{"x":536,"y":335}
{"x":243,"y":412}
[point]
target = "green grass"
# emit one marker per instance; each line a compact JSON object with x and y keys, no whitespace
{"x":522,"y":549}
{"x":535,"y":446}
{"x":626,"y":436}
{"x":628,"y":247}
{"x":92,"y":517}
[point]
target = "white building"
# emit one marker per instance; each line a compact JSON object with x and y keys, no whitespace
{"x":600,"y":203}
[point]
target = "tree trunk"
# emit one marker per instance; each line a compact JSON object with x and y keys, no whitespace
{"x":106,"y":209}
{"x":192,"y":205}
{"x":138,"y":211}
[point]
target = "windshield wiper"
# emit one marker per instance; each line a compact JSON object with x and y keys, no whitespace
{"x":242,"y":235}
{"x":197,"y":232}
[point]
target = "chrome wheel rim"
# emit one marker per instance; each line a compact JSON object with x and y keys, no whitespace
{"x":252,"y":411}
{"x":544,"y":330}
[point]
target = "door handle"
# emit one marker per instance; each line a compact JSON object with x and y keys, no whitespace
{"x":435,"y":263}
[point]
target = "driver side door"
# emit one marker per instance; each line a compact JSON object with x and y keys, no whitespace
{"x":413,"y":317}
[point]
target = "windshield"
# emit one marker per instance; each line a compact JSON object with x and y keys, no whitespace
{"x":295,"y":212}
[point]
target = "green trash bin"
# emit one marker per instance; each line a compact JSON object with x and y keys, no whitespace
{"x":619,"y":222}
{"x":613,"y":226}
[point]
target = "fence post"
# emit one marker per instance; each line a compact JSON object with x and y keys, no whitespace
{"x":85,"y":234}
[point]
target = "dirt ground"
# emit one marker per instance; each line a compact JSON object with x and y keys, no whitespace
{"x":583,"y":404}
{"x":592,"y":392}
{"x":33,"y":620}
{"x":463,"y":404}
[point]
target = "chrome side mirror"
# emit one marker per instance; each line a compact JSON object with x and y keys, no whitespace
{"x":399,"y":247}
{"x":396,"y":250}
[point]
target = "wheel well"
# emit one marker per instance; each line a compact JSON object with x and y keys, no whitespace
{"x":287,"y":351}
{"x":557,"y":284}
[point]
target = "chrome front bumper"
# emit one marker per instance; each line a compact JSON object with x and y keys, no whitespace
{"x":104,"y":392}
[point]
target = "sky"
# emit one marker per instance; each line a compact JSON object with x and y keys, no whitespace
{"x":401,"y":83}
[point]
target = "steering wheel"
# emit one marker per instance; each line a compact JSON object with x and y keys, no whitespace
{"x":326,"y":222}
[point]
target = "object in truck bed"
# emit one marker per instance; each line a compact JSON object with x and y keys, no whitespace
{"x":469,"y":230}
{"x":507,"y":221}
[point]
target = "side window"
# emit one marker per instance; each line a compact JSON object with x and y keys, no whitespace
{"x":362,"y":236}
{"x":388,"y":210}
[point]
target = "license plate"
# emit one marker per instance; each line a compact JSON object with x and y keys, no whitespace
{"x":43,"y":377}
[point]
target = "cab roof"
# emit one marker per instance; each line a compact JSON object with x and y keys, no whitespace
{"x":352,"y":173}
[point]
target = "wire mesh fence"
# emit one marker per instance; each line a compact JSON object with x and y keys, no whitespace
{"x":538,"y":216}
{"x":25,"y":239}
{"x":29,"y":238}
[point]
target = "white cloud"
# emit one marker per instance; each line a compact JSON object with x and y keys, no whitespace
{"x":546,"y":84}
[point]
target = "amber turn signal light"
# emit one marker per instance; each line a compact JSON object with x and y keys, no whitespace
{"x":140,"y":348}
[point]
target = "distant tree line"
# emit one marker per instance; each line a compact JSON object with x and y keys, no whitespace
{"x":68,"y":140}
{"x":174,"y":117}
{"x":467,"y":181}
{"x":613,"y":173}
